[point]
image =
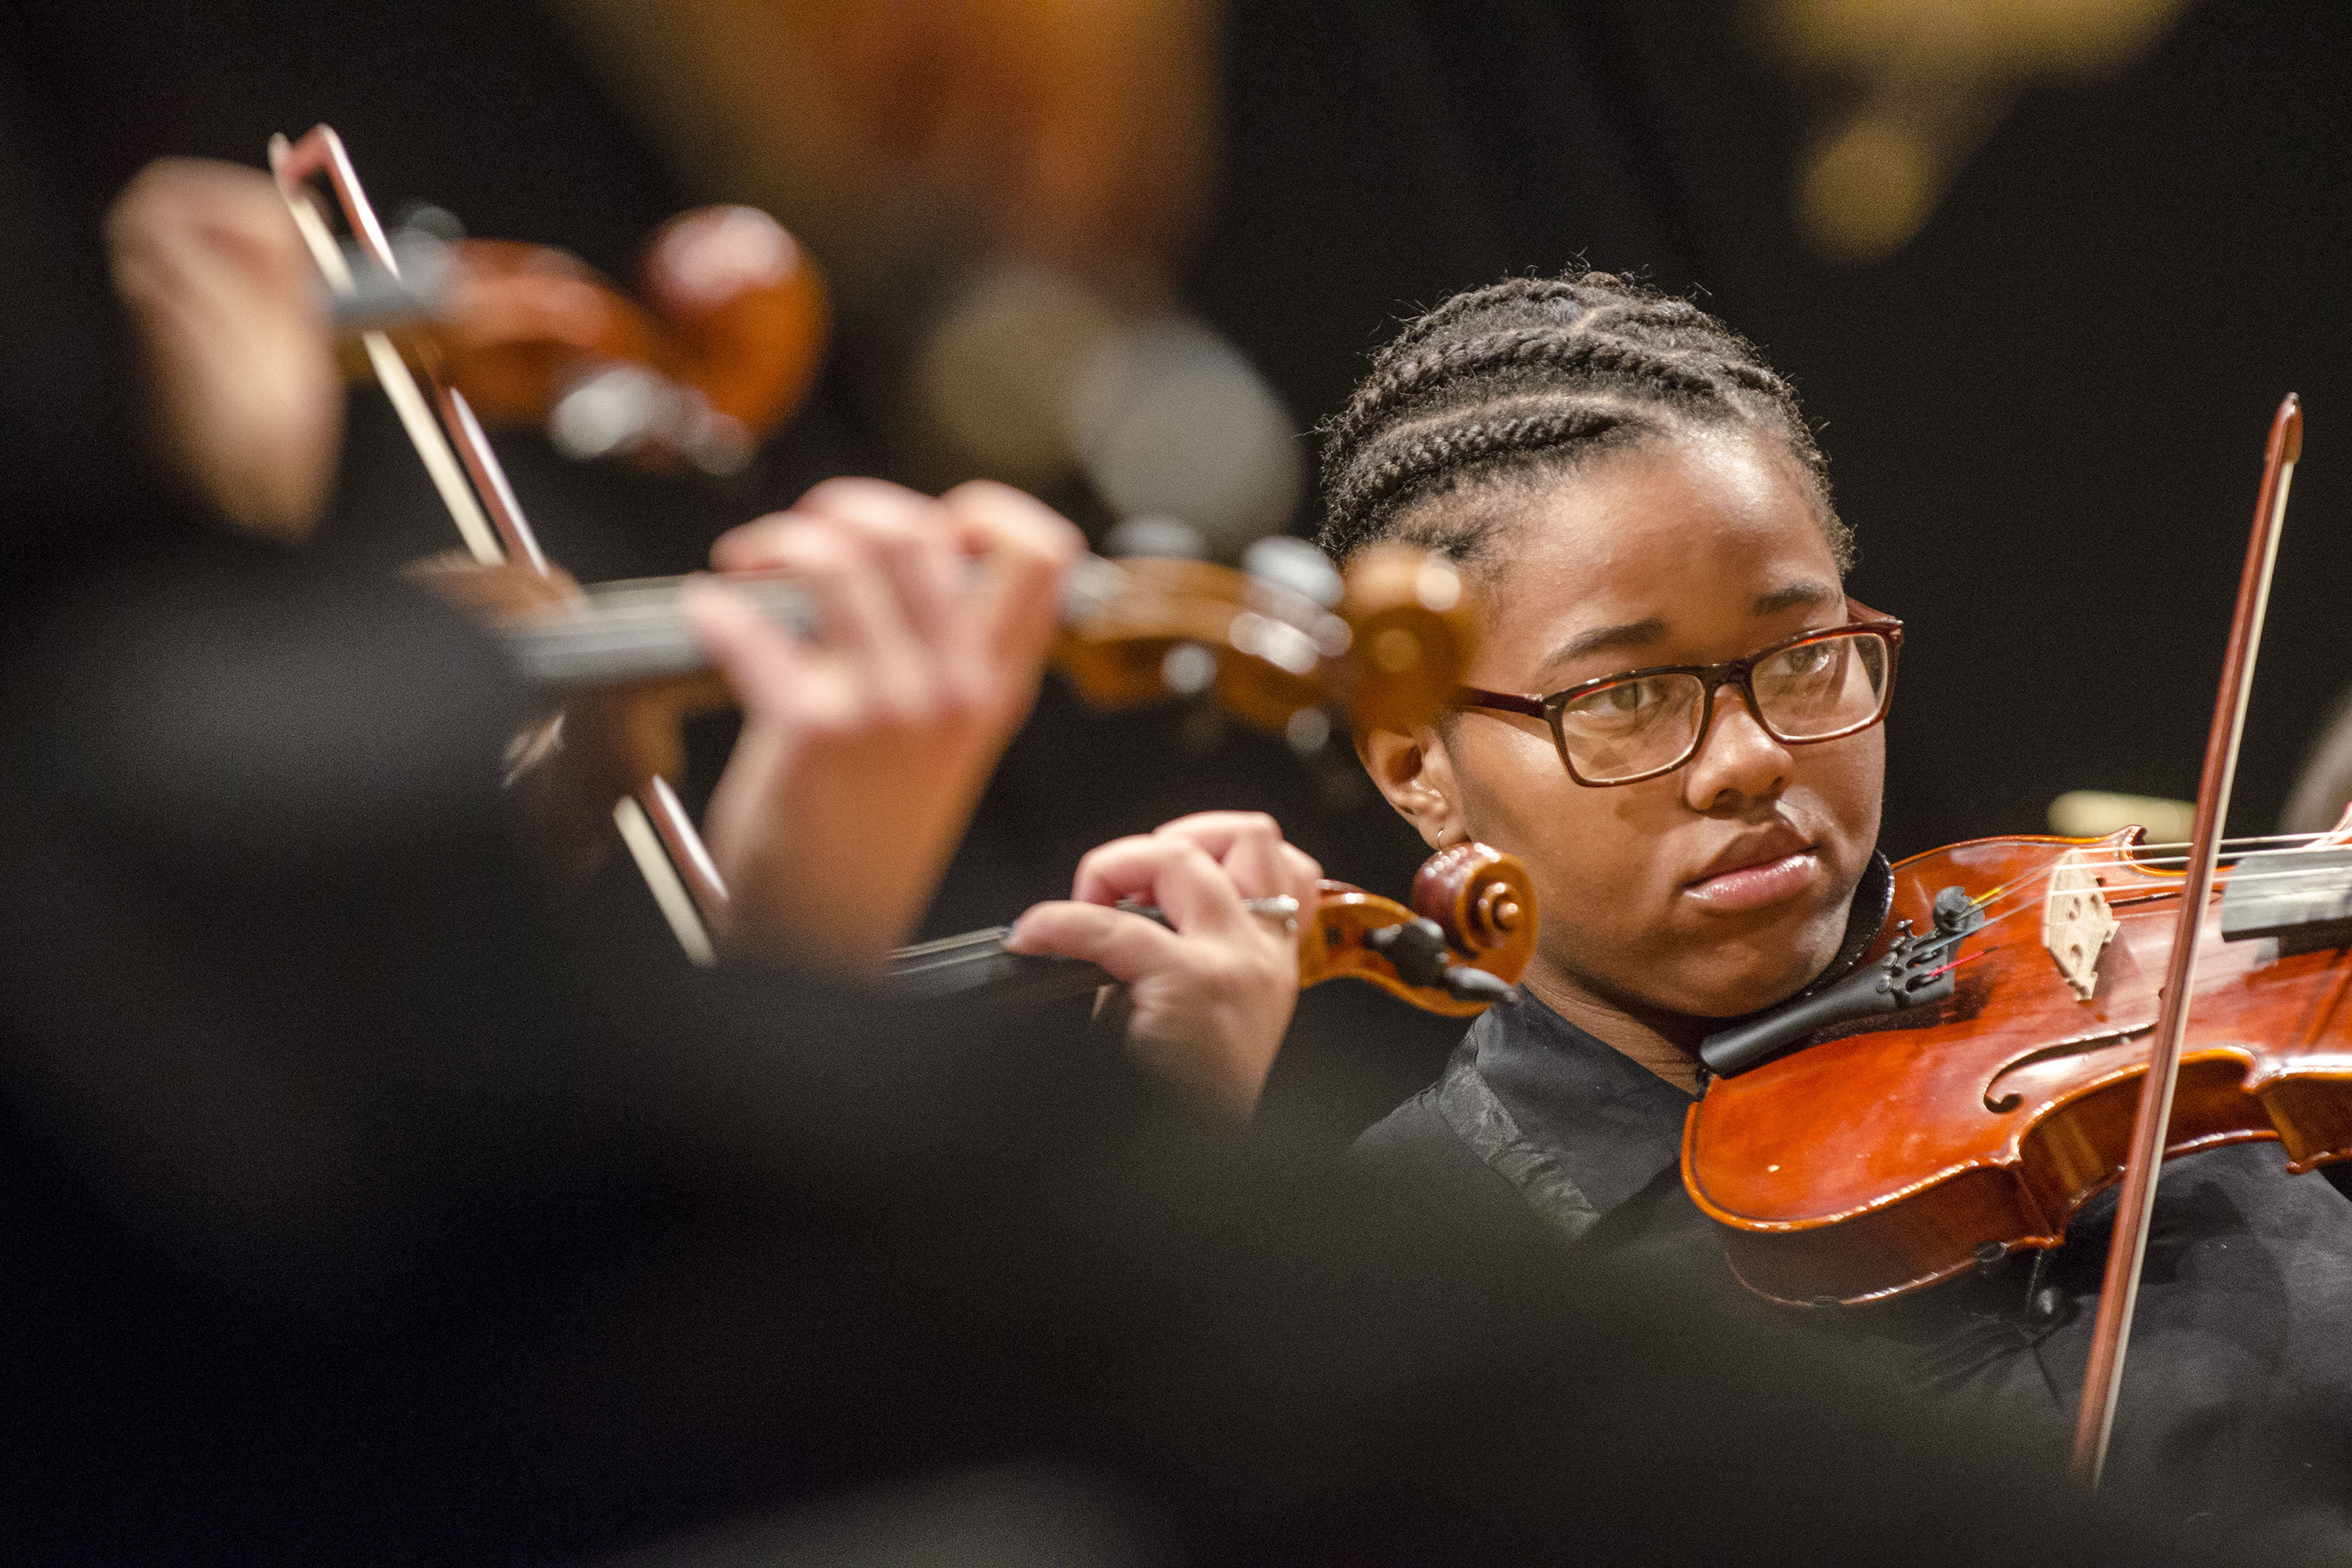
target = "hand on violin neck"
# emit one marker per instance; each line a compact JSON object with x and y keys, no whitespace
{"x":223,"y":303}
{"x":865,"y":750}
{"x":1208,"y":994}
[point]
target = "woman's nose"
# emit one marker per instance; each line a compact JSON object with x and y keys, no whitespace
{"x":1738,"y":758}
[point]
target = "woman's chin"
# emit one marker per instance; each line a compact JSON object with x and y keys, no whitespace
{"x":1732,"y":980}
{"x":1748,"y":990}
{"x":1720,"y":981}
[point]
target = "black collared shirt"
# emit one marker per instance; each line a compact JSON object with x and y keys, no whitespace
{"x":2237,"y":1402}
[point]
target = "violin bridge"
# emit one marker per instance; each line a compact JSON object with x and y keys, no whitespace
{"x":2076,"y":924}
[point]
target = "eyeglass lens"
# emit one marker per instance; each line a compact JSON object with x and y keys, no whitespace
{"x":1810,"y":691}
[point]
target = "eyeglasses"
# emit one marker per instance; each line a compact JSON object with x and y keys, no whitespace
{"x":1621,"y":729}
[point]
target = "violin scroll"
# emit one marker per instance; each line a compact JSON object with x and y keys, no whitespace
{"x":1484,"y":903}
{"x":1461,"y":947}
{"x":724,"y":347}
{"x":1389,"y":650}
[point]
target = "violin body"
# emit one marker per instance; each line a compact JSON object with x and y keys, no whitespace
{"x":1903,"y":1149}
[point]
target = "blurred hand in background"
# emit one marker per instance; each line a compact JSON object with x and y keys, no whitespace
{"x":865,"y":750}
{"x":223,"y":303}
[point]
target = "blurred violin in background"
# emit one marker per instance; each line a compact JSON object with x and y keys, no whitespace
{"x":718,"y":349}
{"x":1284,"y":643}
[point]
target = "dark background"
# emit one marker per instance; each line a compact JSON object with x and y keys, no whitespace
{"x":2044,"y":414}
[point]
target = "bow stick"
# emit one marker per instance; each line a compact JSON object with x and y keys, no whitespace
{"x":2127,"y":1249}
{"x":654,"y":824}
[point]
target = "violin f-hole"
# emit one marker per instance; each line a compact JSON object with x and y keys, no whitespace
{"x":2002,"y":1104}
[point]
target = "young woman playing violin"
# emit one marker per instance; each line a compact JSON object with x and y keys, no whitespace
{"x":1674,"y":720}
{"x":1034,"y":1210}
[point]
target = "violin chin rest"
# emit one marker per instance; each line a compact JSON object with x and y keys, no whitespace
{"x":1891,"y":984}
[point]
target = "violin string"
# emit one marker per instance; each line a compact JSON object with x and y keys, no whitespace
{"x":2240,"y":870}
{"x":2154,"y":862}
{"x":2244,"y":838}
{"x":2240,"y":878}
{"x":2031,"y":879}
{"x":2138,"y":854}
{"x":2151,"y":893}
{"x":2005,"y":891}
{"x":1966,"y":958}
{"x":2134,"y":858}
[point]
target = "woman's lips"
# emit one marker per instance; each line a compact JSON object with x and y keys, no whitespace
{"x":1753,"y":887}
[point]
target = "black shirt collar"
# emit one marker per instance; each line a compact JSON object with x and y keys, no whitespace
{"x":1612,"y":1124}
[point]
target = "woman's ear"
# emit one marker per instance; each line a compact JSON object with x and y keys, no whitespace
{"x":1416,"y":775}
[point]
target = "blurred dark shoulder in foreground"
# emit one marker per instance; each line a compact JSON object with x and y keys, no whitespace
{"x":359,"y":1210}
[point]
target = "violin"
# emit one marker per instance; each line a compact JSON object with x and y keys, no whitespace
{"x":1460,"y":947}
{"x":722,"y":350}
{"x":1906,"y":1150}
{"x":1282,"y":642}
{"x":1984,"y":1072}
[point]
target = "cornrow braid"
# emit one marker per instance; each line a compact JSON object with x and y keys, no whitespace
{"x":1537,"y":373}
{"x":1403,"y":463}
{"x":1560,"y":350}
{"x":1513,"y":290}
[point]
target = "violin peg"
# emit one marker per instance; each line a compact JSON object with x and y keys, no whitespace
{"x":1484,"y":902}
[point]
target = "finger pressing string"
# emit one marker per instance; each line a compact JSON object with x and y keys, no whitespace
{"x":913,"y":540}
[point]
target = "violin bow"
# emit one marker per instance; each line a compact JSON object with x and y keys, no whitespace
{"x":2127,"y":1249}
{"x":660,"y":835}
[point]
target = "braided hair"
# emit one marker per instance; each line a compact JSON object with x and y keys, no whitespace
{"x":1523,"y":379}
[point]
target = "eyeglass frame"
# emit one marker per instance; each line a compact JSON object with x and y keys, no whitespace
{"x":1712,"y":678}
